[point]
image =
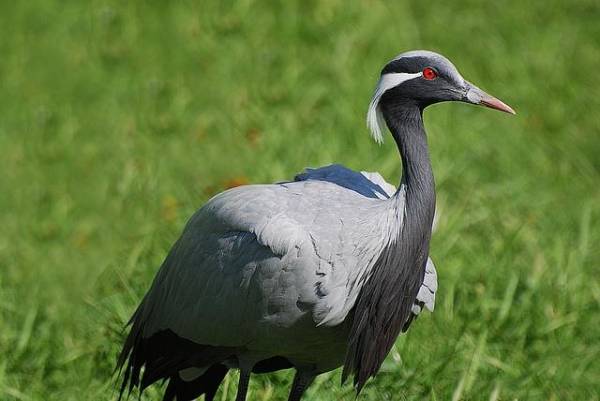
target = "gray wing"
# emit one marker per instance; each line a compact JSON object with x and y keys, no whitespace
{"x":372,"y":184}
{"x":426,"y":295}
{"x":262,"y":257}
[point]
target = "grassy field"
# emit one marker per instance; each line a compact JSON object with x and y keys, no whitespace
{"x":118,"y":120}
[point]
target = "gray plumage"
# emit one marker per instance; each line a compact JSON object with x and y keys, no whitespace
{"x":315,"y":273}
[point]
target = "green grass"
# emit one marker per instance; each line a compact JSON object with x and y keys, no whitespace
{"x":119,"y":120}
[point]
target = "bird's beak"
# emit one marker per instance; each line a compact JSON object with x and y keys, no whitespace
{"x":475,"y":95}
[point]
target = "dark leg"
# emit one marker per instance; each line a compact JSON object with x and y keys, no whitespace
{"x":302,"y":380}
{"x":243,"y":384}
{"x":215,"y":374}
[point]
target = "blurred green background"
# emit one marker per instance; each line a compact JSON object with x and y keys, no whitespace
{"x":119,"y":119}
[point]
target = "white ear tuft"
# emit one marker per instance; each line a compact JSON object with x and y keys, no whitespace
{"x":375,"y":120}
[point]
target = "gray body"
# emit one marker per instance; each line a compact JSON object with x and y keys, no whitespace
{"x":313,"y":274}
{"x":274,"y":270}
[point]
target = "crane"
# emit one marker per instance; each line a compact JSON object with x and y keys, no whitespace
{"x":312,"y":274}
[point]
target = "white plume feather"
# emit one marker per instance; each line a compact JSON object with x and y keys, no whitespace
{"x":375,"y":120}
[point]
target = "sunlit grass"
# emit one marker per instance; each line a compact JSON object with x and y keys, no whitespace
{"x":119,"y":119}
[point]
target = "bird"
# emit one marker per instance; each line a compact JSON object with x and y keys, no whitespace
{"x":315,"y":273}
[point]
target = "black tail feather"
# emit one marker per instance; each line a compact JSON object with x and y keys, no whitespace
{"x":206,"y":384}
{"x":161,"y":357}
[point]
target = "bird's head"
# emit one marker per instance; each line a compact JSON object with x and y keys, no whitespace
{"x":418,"y":79}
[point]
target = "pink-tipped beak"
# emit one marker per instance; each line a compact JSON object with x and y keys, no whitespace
{"x":496,"y":104}
{"x":475,"y":95}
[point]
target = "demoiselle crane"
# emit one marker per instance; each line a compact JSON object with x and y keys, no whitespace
{"x":313,"y":274}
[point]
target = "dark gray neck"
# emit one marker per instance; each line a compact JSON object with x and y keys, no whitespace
{"x":384,"y":303}
{"x":406,"y":124}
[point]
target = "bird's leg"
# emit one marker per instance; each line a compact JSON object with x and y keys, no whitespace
{"x":302,"y":380}
{"x":243,"y":384}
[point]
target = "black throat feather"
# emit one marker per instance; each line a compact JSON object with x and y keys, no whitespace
{"x":384,"y":303}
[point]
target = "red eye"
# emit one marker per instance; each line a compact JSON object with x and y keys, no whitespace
{"x":429,"y":73}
